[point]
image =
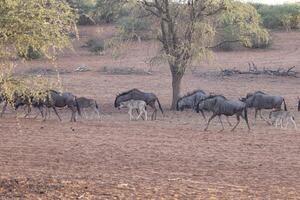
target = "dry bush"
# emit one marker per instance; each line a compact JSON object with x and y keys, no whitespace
{"x":29,"y":87}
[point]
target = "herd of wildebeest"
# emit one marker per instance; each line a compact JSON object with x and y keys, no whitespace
{"x":137,"y":100}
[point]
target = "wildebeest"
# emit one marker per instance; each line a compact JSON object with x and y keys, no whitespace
{"x":209,"y":106}
{"x":260,"y":100}
{"x":66,"y":99}
{"x":52,"y":99}
{"x":85,"y":103}
{"x":190,"y":100}
{"x":136,"y":94}
{"x":223,"y":106}
{"x":298,"y":104}
{"x":21,"y":100}
{"x":135,"y":104}
{"x":3,"y":99}
{"x":17,"y":100}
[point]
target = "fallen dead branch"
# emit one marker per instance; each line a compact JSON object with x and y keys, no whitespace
{"x":254,"y":70}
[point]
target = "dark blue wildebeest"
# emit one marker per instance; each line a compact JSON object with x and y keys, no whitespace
{"x":259,"y":100}
{"x":135,"y":94}
{"x":52,"y":99}
{"x":221,"y":106}
{"x":208,"y":106}
{"x":190,"y":100}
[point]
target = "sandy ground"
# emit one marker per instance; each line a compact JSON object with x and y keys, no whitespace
{"x":172,"y":157}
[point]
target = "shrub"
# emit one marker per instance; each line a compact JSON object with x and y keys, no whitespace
{"x":109,"y":10}
{"x":95,"y":45}
{"x":31,"y":54}
{"x":132,"y":28}
{"x":258,"y":43}
{"x":279,"y":16}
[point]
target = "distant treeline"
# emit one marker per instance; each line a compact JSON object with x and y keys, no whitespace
{"x":286,"y":16}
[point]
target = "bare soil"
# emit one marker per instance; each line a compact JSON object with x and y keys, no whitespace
{"x":170,"y":158}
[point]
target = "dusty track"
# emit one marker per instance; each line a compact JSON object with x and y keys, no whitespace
{"x":171,"y":157}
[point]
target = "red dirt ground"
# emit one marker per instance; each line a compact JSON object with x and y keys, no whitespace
{"x":170,"y":158}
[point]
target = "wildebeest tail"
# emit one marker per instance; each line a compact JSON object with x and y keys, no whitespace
{"x":159,"y":106}
{"x":96,"y":104}
{"x":197,"y":107}
{"x":177,"y":106}
{"x":246,"y":117}
{"x":284,"y":104}
{"x":77,"y":106}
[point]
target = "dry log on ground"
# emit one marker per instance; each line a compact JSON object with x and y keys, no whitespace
{"x":254,"y":70}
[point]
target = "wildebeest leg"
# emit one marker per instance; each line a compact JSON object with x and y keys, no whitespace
{"x":213,"y":116}
{"x":221,"y":122}
{"x":138,"y":112}
{"x":281,"y":123}
{"x":130,"y":113}
{"x":4,"y":108}
{"x":56,"y":113}
{"x":146,"y":115}
{"x":293,"y":121}
{"x":152,"y":105}
{"x":41,"y":111}
{"x":227,"y":118}
{"x":73,"y":116}
{"x":48,"y":112}
{"x":28,"y":111}
{"x":141,"y":112}
{"x":238,"y":121}
{"x":255,"y":118}
{"x":276,"y":122}
{"x":203,"y":115}
{"x":84,"y":113}
{"x":97,"y":112}
{"x":263,"y":118}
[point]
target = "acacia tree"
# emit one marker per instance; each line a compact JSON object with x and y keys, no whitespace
{"x":39,"y":25}
{"x":187,"y":29}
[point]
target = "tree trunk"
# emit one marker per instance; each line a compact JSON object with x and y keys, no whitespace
{"x":176,"y":82}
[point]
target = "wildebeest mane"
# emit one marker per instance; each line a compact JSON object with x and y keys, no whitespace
{"x":213,"y":96}
{"x":190,"y":94}
{"x":127,"y":92}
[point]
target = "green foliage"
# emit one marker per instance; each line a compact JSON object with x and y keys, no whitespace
{"x":109,"y":10}
{"x":32,"y":86}
{"x":279,"y":16}
{"x":31,"y":54}
{"x":83,"y":6}
{"x":41,"y":25}
{"x":242,"y":24}
{"x":95,"y":45}
{"x":26,"y":28}
{"x":133,"y":28}
{"x":85,"y":9}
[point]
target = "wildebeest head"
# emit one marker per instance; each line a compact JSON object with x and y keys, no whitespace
{"x":250,"y":97}
{"x":130,"y":94}
{"x":190,"y":100}
{"x":243,"y":99}
{"x":119,"y":99}
{"x":182,"y":104}
{"x":20,"y":101}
